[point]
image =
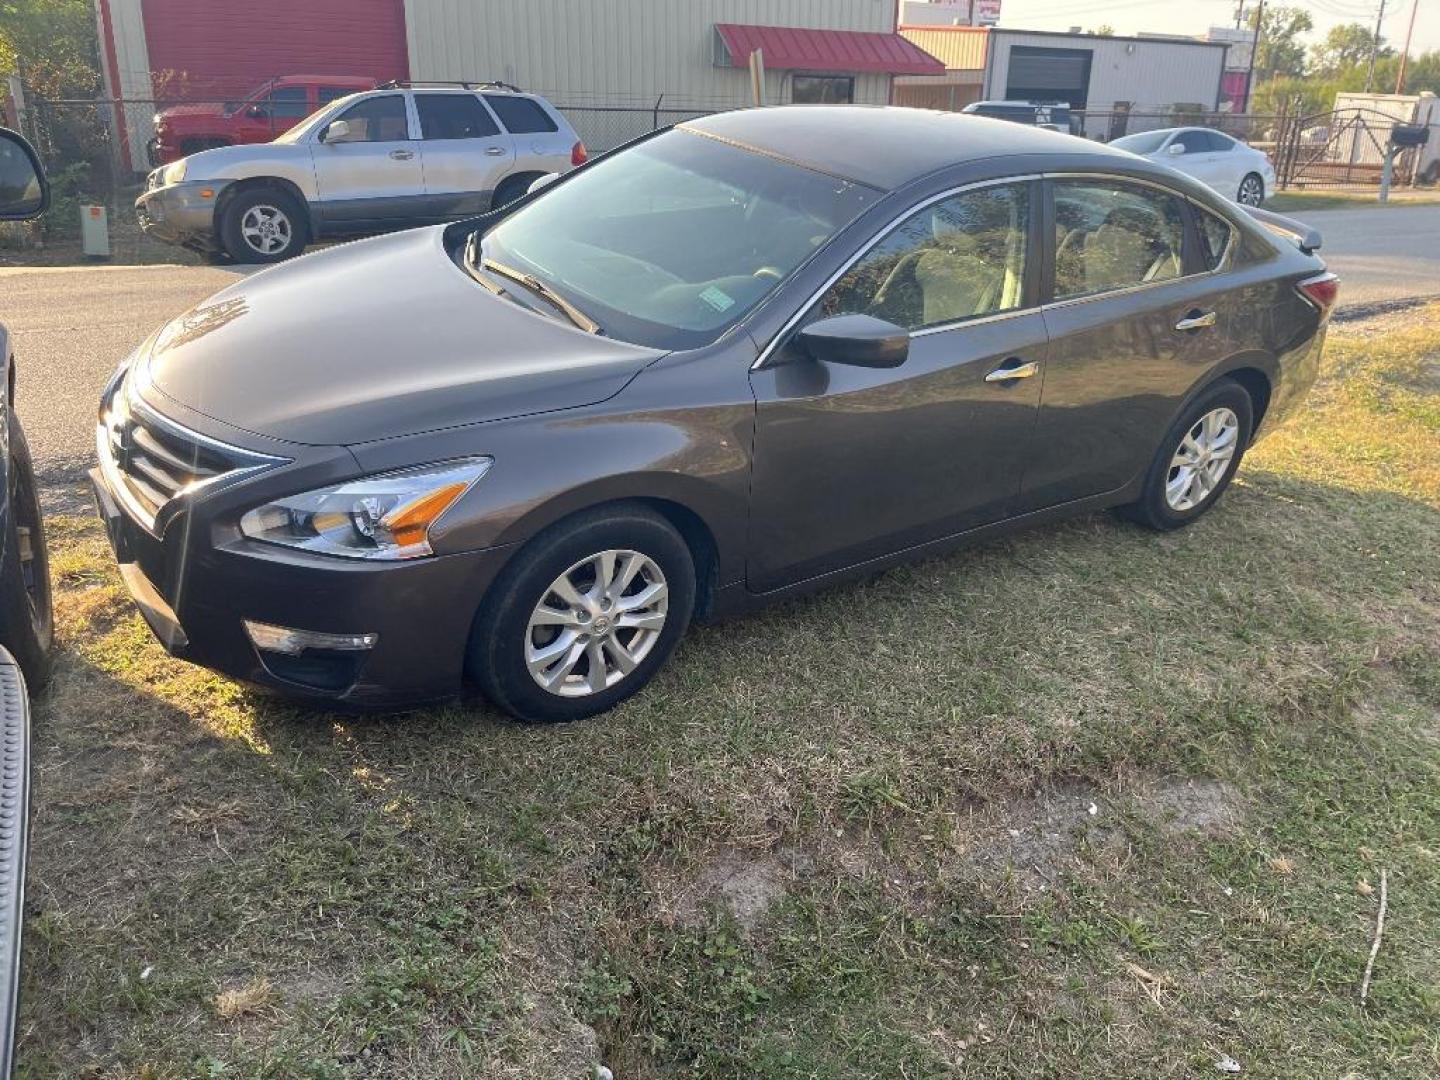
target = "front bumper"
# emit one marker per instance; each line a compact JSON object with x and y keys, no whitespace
{"x":181,"y":213}
{"x":198,"y":581}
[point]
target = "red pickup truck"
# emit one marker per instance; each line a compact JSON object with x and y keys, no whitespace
{"x":269,"y":111}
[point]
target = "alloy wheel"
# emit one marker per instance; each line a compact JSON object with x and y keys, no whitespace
{"x":266,"y":229}
{"x":1201,"y":459}
{"x":1252,"y":191}
{"x":596,"y":623}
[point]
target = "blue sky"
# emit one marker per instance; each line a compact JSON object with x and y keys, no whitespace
{"x":1194,"y":16}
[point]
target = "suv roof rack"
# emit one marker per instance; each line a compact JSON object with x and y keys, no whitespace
{"x":467,"y":84}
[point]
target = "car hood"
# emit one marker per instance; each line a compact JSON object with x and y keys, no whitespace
{"x":173,"y":112}
{"x":373,"y":340}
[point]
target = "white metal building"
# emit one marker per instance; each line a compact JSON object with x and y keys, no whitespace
{"x":1104,"y":74}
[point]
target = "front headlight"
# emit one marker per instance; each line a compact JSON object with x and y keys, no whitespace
{"x":379,"y":517}
{"x":174,"y":172}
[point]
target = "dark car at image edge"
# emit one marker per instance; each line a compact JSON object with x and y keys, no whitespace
{"x":732,"y":362}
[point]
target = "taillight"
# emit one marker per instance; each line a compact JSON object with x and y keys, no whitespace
{"x":578,"y":156}
{"x":1321,"y":291}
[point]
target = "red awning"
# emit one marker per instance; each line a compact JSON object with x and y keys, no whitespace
{"x":798,"y":48}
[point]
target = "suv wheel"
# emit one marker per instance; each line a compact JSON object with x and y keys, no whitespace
{"x":26,"y":626}
{"x":263,"y":226}
{"x":512,"y":188}
{"x":584,"y":616}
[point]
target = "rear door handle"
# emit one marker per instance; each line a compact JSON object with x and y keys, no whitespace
{"x":1013,"y":369}
{"x":1196,"y":320}
{"x":494,"y":151}
{"x":402,"y":155}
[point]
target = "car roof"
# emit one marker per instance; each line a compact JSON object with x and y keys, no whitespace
{"x":887,"y":146}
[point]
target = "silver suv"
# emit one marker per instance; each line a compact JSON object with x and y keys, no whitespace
{"x":401,"y":155}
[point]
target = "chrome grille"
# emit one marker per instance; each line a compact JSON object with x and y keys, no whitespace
{"x":148,"y":459}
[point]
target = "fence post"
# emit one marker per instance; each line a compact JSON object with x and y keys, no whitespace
{"x":655,"y":115}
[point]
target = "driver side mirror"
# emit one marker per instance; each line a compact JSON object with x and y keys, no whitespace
{"x":257,"y":112}
{"x":336,"y":131}
{"x":1175,"y":149}
{"x":857,"y":340}
{"x":24,"y":194}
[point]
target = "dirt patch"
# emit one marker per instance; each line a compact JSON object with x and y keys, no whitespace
{"x":746,"y":884}
{"x":1034,"y":839}
{"x":1188,"y":806}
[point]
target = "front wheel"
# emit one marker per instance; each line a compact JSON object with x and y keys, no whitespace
{"x":1196,"y":460}
{"x":263,"y":226}
{"x":584,"y":616}
{"x":1252,"y":190}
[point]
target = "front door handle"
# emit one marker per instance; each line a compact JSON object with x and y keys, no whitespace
{"x":1195,"y":319}
{"x":494,"y":151}
{"x":402,"y":155}
{"x":1013,"y":369}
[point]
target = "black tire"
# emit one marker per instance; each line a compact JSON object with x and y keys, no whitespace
{"x":290,"y":243}
{"x":1251,"y":191}
{"x":495,"y":658}
{"x":26,"y":621}
{"x":512,"y":188}
{"x":1153,"y":508}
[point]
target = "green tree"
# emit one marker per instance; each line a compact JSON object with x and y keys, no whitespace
{"x":1281,"y":51}
{"x":51,"y":45}
{"x":1344,"y":47}
{"x":1103,"y":30}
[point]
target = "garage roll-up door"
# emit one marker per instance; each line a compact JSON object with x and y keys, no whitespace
{"x":1038,"y":74}
{"x":225,"y":50}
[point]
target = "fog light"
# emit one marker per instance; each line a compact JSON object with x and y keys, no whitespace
{"x":283,"y":639}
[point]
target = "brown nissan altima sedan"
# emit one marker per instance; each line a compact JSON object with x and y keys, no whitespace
{"x":750,"y":355}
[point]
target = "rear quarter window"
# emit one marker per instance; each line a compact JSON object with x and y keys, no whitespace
{"x":521,"y":116}
{"x":1216,"y":235}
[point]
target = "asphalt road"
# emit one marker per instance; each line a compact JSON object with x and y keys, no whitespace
{"x":71,"y":326}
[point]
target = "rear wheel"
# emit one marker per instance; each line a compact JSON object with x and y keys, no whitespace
{"x":263,"y":225}
{"x":26,"y":626}
{"x":584,"y":616}
{"x":1252,"y":190}
{"x":1196,"y":460}
{"x":512,"y":188}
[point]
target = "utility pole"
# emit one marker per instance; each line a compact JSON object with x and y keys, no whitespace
{"x":1254,"y":54}
{"x":1374,"y":48}
{"x":1405,"y":53}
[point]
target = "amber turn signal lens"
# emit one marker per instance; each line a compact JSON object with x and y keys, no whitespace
{"x":410,"y":522}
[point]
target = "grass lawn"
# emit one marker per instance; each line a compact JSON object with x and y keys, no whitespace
{"x":1287,"y":202}
{"x":1086,"y":802}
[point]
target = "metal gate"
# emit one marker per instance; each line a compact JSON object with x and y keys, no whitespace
{"x":1344,"y":149}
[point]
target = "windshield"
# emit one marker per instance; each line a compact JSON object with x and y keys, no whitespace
{"x":1147,"y":142}
{"x":672,"y":242}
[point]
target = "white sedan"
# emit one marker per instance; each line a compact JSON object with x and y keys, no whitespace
{"x":1235,"y":170}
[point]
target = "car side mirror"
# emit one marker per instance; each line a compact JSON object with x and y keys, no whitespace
{"x":24,"y":194}
{"x":336,"y":131}
{"x":257,"y":112}
{"x":1175,"y":149}
{"x":857,"y":340}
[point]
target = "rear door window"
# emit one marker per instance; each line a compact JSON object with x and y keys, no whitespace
{"x":454,"y":116}
{"x":1115,"y":236}
{"x":521,"y":116}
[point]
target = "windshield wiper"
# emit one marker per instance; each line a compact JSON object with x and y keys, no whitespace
{"x":545,"y":292}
